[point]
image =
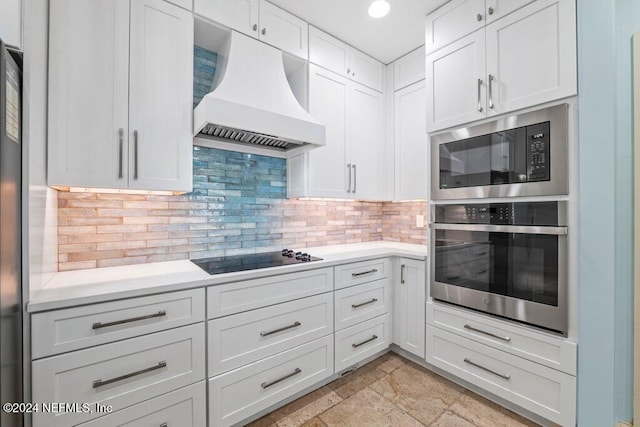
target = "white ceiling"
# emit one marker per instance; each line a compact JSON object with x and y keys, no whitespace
{"x":386,"y":39}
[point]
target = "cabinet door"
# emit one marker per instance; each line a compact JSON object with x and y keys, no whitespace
{"x":88,"y":93}
{"x":531,"y":56}
{"x":497,"y":9}
{"x":409,"y":312}
{"x":281,"y":29}
{"x":328,"y":97}
{"x":409,"y":69}
{"x":10,"y":22}
{"x":411,"y":142}
{"x":455,"y":76}
{"x":453,"y":21}
{"x":366,"y":70}
{"x":161,"y":96}
{"x":366,"y":142}
{"x":241,"y":15}
{"x":329,"y":52}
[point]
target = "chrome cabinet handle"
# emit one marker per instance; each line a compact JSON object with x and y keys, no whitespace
{"x":484,"y":368}
{"x":471,"y":328}
{"x":362,"y":304}
{"x":490,"y":11}
{"x":164,"y":425}
{"x":375,"y":337}
{"x":100,"y":383}
{"x":491,"y":77}
{"x":348,"y":71}
{"x":373,"y":270}
{"x":479,"y":17}
{"x":286,"y":377}
{"x":355,"y":178}
{"x":100,"y":325}
{"x":120,"y":148}
{"x":275,"y":331}
{"x":402,"y":267}
{"x":255,"y":27}
{"x":349,"y":172}
{"x":135,"y":154}
{"x":264,"y":31}
{"x":480,"y":95}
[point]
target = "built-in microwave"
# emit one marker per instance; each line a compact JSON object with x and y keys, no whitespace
{"x":506,"y":259}
{"x":519,"y":155}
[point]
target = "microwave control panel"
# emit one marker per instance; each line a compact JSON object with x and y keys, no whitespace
{"x":538,"y":152}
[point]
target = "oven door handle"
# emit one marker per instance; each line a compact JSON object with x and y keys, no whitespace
{"x":491,"y":228}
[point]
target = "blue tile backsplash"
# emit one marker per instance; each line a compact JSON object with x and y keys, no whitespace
{"x":204,"y":68}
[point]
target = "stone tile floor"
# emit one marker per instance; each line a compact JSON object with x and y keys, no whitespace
{"x":392,"y":391}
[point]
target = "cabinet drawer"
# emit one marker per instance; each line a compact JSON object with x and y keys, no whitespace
{"x":119,"y":374}
{"x":238,"y":394}
{"x":232,"y":298}
{"x":60,"y":331}
{"x":537,"y":346}
{"x":185,"y":407}
{"x":362,"y":272}
{"x":363,"y":302}
{"x":358,"y":342}
{"x":542,"y":390}
{"x":246,"y":337}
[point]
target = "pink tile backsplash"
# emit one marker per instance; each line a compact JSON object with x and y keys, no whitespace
{"x":104,"y":229}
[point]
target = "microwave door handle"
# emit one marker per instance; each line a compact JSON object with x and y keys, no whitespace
{"x":520,"y":229}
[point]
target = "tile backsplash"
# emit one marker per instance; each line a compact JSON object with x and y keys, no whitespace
{"x":238,"y":205}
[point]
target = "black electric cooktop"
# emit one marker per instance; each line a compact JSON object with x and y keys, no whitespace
{"x":229,"y":264}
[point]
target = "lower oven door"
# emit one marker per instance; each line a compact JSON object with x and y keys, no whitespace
{"x":517,"y":272}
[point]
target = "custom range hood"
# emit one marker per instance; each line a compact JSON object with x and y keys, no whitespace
{"x":252,"y":102}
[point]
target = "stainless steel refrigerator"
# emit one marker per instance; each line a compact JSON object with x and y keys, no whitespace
{"x":10,"y":232}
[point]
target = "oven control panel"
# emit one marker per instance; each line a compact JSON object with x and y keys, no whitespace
{"x":538,"y":152}
{"x":523,"y":213}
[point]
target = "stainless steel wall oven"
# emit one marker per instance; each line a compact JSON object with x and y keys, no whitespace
{"x":507,"y":259}
{"x":519,"y":155}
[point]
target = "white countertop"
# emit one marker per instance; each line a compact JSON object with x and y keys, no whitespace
{"x":72,"y":288}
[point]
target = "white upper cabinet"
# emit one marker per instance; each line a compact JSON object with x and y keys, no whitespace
{"x":531,"y":56}
{"x":259,"y":19}
{"x":350,"y":165}
{"x":11,"y":22}
{"x":452,"y":21}
{"x":241,"y":15}
{"x":283,"y":30}
{"x":455,"y":83}
{"x":339,"y":57}
{"x":328,"y":103}
{"x":160,"y":96}
{"x":88,"y":93}
{"x":366,"y":142}
{"x":408,"y":69}
{"x":102,"y":95}
{"x":497,"y":9}
{"x":526,"y":56}
{"x":411,"y":142}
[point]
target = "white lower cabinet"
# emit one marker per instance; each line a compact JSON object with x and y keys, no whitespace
{"x":409,"y":310}
{"x":247,"y":337}
{"x":186,"y":407}
{"x":537,"y":388}
{"x":119,"y":374}
{"x":239,"y":394}
{"x":358,"y":342}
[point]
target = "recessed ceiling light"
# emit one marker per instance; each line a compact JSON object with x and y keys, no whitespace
{"x":379,"y":8}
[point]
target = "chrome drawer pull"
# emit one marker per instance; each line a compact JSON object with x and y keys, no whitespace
{"x":362,"y":304}
{"x":286,"y":377}
{"x":471,"y":328}
{"x":100,"y":383}
{"x":164,"y":425}
{"x":99,"y":325}
{"x":402,"y":267}
{"x":364,"y":272}
{"x":375,"y":337}
{"x":491,"y":371}
{"x":275,"y":331}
